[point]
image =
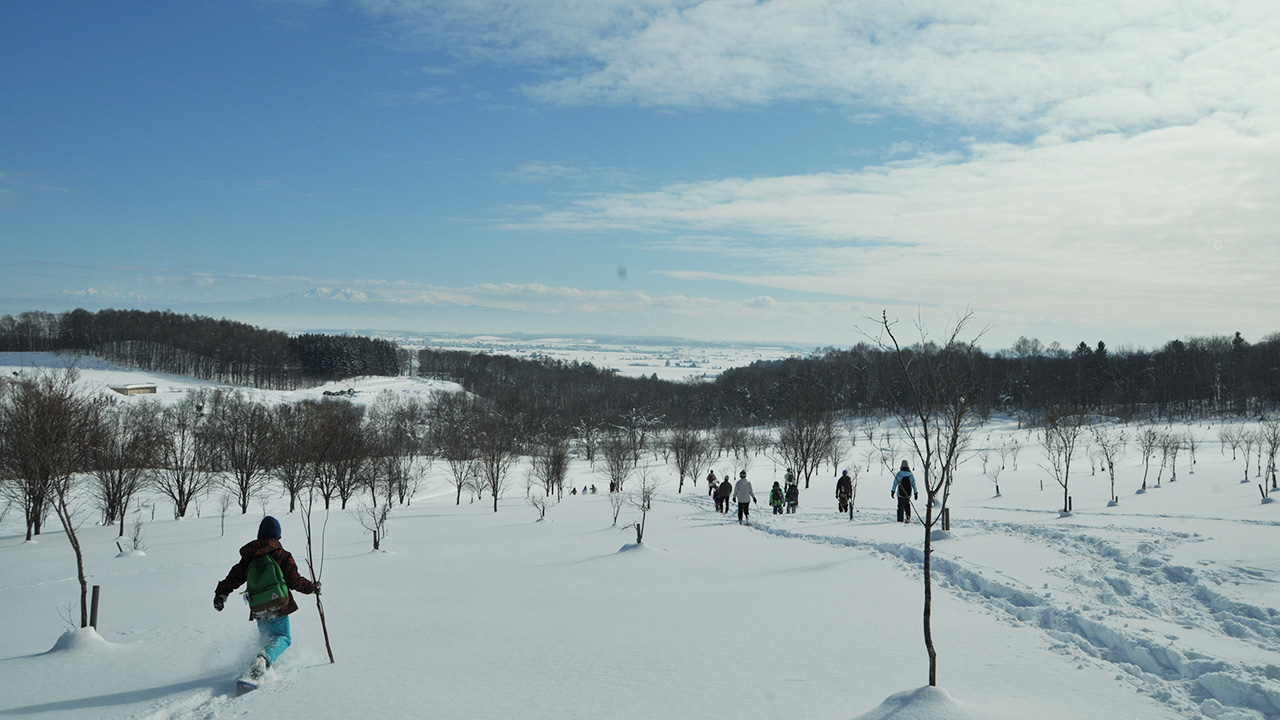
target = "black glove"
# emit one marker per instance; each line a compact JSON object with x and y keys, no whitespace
{"x":917,"y":496}
{"x":317,"y":584}
{"x":219,"y":602}
{"x":893,"y":494}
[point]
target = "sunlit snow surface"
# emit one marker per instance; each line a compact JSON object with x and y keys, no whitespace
{"x":1164,"y":606}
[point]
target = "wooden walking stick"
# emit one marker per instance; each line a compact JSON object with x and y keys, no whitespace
{"x":315,"y":573}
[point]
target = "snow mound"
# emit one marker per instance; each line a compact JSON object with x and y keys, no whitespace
{"x":131,"y":553}
{"x":79,"y":640}
{"x":926,"y":703}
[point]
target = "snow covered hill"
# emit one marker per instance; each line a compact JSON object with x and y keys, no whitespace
{"x":1163,"y":606}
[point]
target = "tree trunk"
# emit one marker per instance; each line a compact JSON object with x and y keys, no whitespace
{"x":928,"y":593}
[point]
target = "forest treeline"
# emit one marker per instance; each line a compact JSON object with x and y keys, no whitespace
{"x":201,"y":347}
{"x":1191,"y":378}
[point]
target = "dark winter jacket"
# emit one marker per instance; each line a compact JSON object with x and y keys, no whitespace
{"x":844,"y":486}
{"x":263,"y":546}
{"x":793,"y":494}
{"x":725,"y":490}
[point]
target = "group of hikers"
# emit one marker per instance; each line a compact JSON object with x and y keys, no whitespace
{"x":787,"y":498}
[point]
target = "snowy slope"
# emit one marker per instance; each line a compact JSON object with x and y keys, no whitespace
{"x":1162,"y":607}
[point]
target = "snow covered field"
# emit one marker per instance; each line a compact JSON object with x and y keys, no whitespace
{"x":1164,"y":606}
{"x":668,"y":359}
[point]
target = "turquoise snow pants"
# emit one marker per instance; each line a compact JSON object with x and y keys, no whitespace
{"x":275,"y":637}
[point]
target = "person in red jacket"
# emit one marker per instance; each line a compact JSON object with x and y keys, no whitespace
{"x":273,"y":625}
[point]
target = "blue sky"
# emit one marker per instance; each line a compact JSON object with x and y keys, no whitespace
{"x":760,"y":171}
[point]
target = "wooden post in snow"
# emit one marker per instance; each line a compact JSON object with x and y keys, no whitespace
{"x":93,"y":611}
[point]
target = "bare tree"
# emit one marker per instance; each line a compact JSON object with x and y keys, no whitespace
{"x":1269,"y":435}
{"x":588,"y":432}
{"x":641,"y":498}
{"x":854,"y":472}
{"x":619,"y":461}
{"x":807,"y":434}
{"x":1148,"y":440}
{"x":47,"y":427}
{"x":992,"y":470}
{"x":1248,"y":439}
{"x":936,"y":407}
{"x":888,"y":452}
{"x":1111,"y":446}
{"x":616,"y":501}
{"x":224,"y":504}
{"x":122,"y":449}
{"x":540,"y":502}
{"x":1232,"y":436}
{"x":391,"y":432}
{"x":474,"y":485}
{"x":867,"y":428}
{"x":452,"y":434}
{"x":136,"y":541}
{"x":292,"y":426}
{"x":691,"y":449}
{"x":180,"y":473}
{"x":1061,"y":435}
{"x":838,"y":449}
{"x":396,"y":427}
{"x":238,"y":431}
{"x":1014,"y":447}
{"x":1192,"y":442}
{"x":1171,"y":446}
{"x":373,"y":508}
{"x":550,"y":465}
{"x":338,"y":448}
{"x":496,"y":451}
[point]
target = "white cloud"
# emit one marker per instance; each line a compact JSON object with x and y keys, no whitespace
{"x":1073,"y":69}
{"x":1174,"y":227}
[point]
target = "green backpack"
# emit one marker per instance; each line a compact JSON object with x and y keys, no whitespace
{"x":266,"y":591}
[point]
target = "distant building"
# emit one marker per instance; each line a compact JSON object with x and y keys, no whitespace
{"x":135,"y":389}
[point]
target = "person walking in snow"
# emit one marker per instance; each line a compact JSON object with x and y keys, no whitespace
{"x":776,"y":498}
{"x":271,"y":573}
{"x":712,"y":487}
{"x":744,"y":496}
{"x":793,"y":497}
{"x":844,"y":491}
{"x":722,"y":495}
{"x":904,"y":488}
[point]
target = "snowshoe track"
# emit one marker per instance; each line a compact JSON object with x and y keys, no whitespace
{"x":1121,"y":592}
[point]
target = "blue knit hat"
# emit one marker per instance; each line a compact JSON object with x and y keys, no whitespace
{"x":269,"y":528}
